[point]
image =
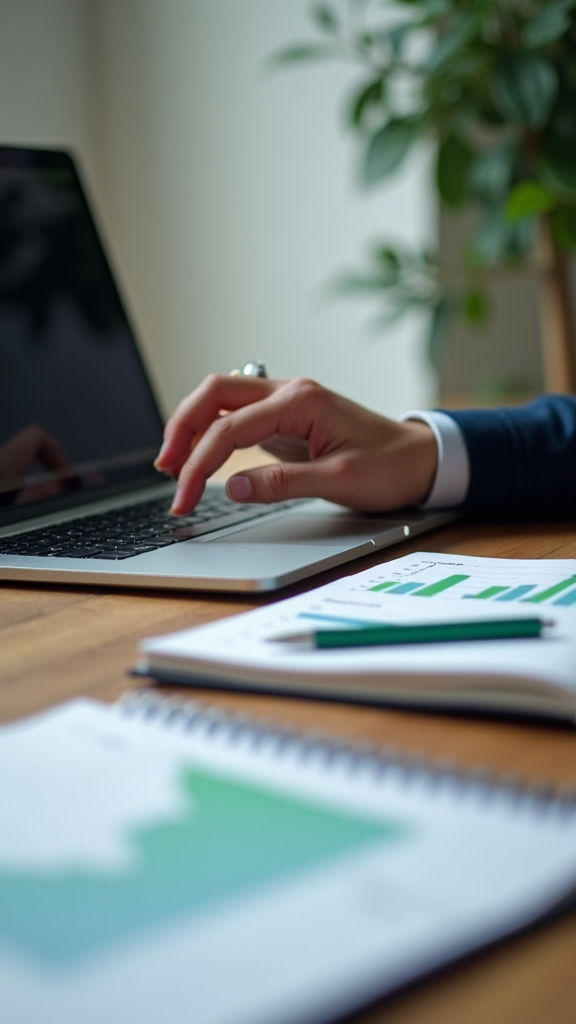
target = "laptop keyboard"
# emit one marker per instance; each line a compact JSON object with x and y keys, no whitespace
{"x":125,"y":532}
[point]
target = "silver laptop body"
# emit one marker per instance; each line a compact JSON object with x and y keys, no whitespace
{"x":79,"y":427}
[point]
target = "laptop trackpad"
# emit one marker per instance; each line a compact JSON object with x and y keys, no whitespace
{"x":302,"y":529}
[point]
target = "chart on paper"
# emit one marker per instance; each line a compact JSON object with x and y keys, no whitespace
{"x":509,"y":582}
{"x":424,"y":586}
{"x":202,"y":839}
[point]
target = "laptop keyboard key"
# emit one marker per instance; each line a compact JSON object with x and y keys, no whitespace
{"x":74,"y":553}
{"x":115,"y":555}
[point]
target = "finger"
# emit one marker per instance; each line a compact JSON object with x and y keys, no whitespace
{"x":398,"y":471}
{"x":287,"y":412}
{"x":198,"y":410}
{"x":294,"y":409}
{"x":282,"y":481}
{"x":240,"y":429}
{"x":340,"y":477}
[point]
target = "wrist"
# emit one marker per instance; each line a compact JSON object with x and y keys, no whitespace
{"x":422,"y":461}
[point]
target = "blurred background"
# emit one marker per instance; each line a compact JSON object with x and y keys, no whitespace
{"x":228,"y":196}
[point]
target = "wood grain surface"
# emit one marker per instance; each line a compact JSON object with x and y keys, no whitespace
{"x":60,"y":642}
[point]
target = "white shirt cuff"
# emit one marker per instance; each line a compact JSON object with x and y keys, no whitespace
{"x":452,"y":478}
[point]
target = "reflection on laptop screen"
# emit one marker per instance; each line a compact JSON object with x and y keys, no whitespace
{"x":76,"y":410}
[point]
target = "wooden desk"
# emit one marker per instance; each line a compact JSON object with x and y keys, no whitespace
{"x":58,"y":642}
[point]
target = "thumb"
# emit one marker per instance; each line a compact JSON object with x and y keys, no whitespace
{"x":278,"y":481}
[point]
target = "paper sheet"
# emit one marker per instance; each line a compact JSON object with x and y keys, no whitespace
{"x":423,"y":587}
{"x":228,"y":882}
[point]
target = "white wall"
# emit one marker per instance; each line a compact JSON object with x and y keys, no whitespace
{"x":231,"y":197}
{"x":227,"y":192}
{"x":45,"y":80}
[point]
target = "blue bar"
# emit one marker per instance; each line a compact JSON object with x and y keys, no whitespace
{"x":337,"y":619}
{"x":567,"y":599}
{"x":517,"y":592}
{"x":405,"y":588}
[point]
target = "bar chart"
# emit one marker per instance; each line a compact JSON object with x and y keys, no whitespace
{"x":422,"y":580}
{"x":451,"y":588}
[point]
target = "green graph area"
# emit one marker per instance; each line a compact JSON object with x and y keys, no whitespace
{"x":487,"y":593}
{"x":556,"y":588}
{"x":421,"y":589}
{"x":441,"y":585}
{"x":564,"y":590}
{"x":231,"y":839}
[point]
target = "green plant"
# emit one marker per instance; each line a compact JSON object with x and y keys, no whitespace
{"x":493,"y":84}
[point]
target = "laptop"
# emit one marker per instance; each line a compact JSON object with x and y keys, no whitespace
{"x":80,"y":501}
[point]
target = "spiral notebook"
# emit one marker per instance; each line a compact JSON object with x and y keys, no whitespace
{"x":162,"y":861}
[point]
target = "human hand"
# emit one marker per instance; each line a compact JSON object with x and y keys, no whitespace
{"x":32,"y":445}
{"x":331,"y":447}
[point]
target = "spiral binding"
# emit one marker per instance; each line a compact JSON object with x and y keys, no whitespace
{"x":191,"y":716}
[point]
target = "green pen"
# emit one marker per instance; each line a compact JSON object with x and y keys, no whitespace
{"x":425,"y":633}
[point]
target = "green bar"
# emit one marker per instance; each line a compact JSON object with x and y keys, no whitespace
{"x":405,"y":588}
{"x":551,"y":591}
{"x":501,"y":629}
{"x":384,"y":586}
{"x":437,"y":588}
{"x":484,"y":595}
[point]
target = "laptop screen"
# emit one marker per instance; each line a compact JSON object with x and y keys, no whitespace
{"x":77,"y":415}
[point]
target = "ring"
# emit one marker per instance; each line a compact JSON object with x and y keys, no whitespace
{"x":250,"y":370}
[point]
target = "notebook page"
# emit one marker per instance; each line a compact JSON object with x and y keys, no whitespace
{"x":424,"y":587}
{"x":147,"y":872}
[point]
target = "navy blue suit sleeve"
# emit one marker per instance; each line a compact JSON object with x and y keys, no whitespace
{"x":522,"y":459}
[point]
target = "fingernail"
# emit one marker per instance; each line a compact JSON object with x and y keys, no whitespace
{"x":176,"y":501}
{"x":164,"y":451}
{"x":169,"y":469}
{"x":239,"y":488}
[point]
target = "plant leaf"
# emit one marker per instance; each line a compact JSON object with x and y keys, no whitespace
{"x":305,"y":51}
{"x":521,"y":239}
{"x":389,"y":257}
{"x":528,"y":199}
{"x":429,"y":8}
{"x":476,"y":307}
{"x":325,"y":18}
{"x":440,"y":317}
{"x":387,"y":149}
{"x":452,"y":170}
{"x":392,"y":314}
{"x":549,"y":25}
{"x":489,"y":241}
{"x":435,"y":8}
{"x":563,"y":223}
{"x":397,"y":35}
{"x":558,"y":168}
{"x":353,"y":283}
{"x":524,"y":87}
{"x":369,"y":97}
{"x":460,"y":32}
{"x":491,"y":172}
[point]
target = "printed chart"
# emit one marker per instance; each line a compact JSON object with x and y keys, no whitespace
{"x":415,"y":588}
{"x":430,"y":579}
{"x":230,"y":839}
